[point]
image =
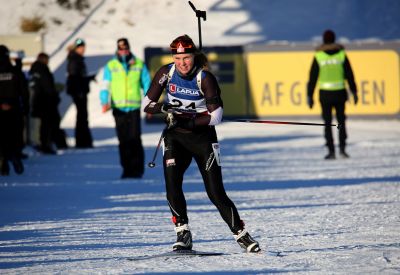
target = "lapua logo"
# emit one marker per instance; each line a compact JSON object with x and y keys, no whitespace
{"x":183,"y":91}
{"x":172,"y":88}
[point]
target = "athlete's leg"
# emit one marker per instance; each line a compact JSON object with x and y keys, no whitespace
{"x":176,"y":160}
{"x":207,"y":157}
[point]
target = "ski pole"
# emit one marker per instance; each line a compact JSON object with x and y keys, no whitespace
{"x":152,"y":164}
{"x":199,"y":14}
{"x":283,"y":122}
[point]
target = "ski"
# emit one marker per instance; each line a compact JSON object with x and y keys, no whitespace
{"x":177,"y":253}
{"x":276,"y":253}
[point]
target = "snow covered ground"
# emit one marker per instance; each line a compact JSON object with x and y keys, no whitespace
{"x":71,"y":214}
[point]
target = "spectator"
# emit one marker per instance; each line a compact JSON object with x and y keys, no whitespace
{"x":17,"y":57}
{"x":13,"y":104}
{"x":124,"y":77}
{"x":78,"y":88}
{"x":44,"y":105}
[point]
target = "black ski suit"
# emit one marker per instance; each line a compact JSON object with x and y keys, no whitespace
{"x":192,"y":138}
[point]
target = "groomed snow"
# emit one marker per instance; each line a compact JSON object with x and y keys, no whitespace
{"x":71,"y":214}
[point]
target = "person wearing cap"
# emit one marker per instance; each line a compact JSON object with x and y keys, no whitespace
{"x":331,"y":68}
{"x":77,"y":87}
{"x":14,"y":100}
{"x":126,"y":80}
{"x":193,"y":106}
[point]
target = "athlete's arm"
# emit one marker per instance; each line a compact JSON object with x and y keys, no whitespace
{"x":212,"y":94}
{"x":150,"y":101}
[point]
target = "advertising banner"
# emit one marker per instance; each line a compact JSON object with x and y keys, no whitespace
{"x":278,"y":83}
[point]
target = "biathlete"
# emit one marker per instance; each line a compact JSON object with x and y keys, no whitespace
{"x":193,"y":106}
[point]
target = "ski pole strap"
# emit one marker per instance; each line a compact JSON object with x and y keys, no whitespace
{"x":283,"y":122}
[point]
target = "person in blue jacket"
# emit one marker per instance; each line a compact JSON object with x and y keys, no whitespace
{"x":125,"y":77}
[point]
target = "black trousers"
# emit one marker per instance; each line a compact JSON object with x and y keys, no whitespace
{"x":10,"y":135}
{"x":131,"y":150}
{"x":49,"y":126}
{"x":334,"y":100}
{"x":179,"y":149}
{"x":83,"y":136}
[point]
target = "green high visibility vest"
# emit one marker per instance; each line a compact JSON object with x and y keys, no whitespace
{"x":125,"y":86}
{"x":331,"y":71}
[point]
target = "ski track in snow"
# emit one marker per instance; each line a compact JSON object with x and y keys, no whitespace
{"x":71,"y":214}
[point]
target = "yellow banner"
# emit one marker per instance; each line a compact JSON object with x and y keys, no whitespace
{"x":278,"y":83}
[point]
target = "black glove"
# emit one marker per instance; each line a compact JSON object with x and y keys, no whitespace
{"x":355,"y":96}
{"x":167,"y":108}
{"x":310,"y":102}
{"x":173,"y":122}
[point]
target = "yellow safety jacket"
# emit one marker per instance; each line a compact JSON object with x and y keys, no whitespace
{"x":331,"y":71}
{"x":125,"y":86}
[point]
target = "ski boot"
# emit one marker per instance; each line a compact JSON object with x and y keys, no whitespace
{"x":330,"y":155}
{"x":18,"y":165}
{"x":245,"y":241}
{"x":4,"y":167}
{"x":184,"y":237}
{"x":343,"y":153}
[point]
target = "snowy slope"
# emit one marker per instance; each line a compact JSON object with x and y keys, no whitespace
{"x":70,"y":214}
{"x":229,"y":22}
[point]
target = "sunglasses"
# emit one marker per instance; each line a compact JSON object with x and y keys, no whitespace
{"x":182,"y":47}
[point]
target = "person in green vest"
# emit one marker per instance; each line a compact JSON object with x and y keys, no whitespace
{"x":331,"y":68}
{"x":124,"y":78}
